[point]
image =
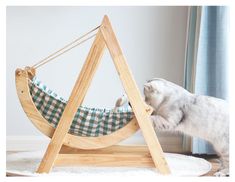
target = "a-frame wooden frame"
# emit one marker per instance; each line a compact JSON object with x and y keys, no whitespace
{"x":57,"y":154}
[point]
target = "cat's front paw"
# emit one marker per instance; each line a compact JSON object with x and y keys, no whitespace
{"x":222,"y":173}
{"x":159,"y":123}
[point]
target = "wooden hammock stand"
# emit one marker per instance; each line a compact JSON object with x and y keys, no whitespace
{"x":65,"y":149}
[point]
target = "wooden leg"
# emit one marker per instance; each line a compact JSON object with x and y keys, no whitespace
{"x":75,"y":100}
{"x":135,"y":97}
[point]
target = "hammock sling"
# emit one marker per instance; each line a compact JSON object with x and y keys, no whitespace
{"x":87,"y":136}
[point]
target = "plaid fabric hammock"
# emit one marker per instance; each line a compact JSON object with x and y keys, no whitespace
{"x":90,"y":122}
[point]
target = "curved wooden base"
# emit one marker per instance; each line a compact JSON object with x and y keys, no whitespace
{"x":22,"y":86}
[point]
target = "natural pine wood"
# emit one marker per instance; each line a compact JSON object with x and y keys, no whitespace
{"x":60,"y":136}
{"x":105,"y":160}
{"x":114,"y":156}
{"x":134,"y":97}
{"x":108,"y":150}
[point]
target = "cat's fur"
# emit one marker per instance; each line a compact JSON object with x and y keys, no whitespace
{"x":201,"y":116}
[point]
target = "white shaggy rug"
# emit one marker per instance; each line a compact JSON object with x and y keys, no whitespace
{"x":25,"y":163}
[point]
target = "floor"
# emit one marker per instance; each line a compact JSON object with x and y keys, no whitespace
{"x":212,"y":159}
{"x":215,"y":164}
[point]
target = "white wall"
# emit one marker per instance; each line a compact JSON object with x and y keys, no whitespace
{"x":152,"y":39}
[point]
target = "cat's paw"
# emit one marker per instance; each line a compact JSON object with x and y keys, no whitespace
{"x":159,"y":123}
{"x":222,"y":173}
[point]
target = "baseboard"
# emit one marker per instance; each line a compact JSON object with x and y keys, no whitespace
{"x":169,"y":143}
{"x":26,"y":143}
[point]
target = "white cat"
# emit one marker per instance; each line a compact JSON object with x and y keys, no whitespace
{"x":201,"y":116}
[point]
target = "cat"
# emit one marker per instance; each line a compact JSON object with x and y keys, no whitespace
{"x":205,"y":117}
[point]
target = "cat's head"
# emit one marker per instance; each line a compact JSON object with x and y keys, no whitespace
{"x":154,"y":91}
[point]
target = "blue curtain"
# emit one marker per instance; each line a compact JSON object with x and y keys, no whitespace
{"x":207,"y":63}
{"x":191,"y":60}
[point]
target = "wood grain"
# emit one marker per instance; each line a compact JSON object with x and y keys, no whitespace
{"x":105,"y":160}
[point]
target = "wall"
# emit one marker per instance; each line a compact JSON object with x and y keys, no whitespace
{"x":152,"y":39}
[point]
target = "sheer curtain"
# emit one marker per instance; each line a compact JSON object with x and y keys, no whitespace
{"x":206,"y":66}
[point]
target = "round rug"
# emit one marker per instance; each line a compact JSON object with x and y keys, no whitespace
{"x":26,"y":163}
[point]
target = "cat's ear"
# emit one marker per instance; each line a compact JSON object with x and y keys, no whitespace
{"x":148,"y":87}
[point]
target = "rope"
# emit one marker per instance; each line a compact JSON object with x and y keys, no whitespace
{"x":65,"y":49}
{"x":44,"y":61}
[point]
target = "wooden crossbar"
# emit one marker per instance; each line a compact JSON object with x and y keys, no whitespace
{"x":114,"y":156}
{"x":105,"y":160}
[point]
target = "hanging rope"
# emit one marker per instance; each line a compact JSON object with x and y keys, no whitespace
{"x":58,"y":53}
{"x":65,"y":49}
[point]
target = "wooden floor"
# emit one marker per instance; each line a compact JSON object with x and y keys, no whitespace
{"x":212,"y":159}
{"x":215,"y":164}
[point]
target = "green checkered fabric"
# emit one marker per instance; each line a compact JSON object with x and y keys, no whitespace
{"x":90,"y":122}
